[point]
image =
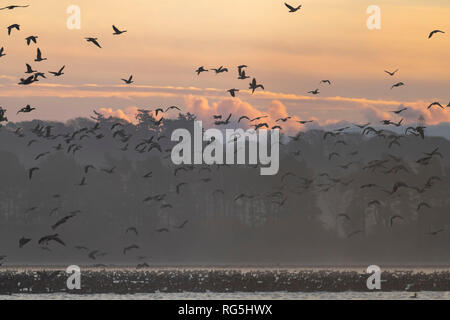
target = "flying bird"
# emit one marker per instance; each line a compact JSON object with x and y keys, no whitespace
{"x":398,"y":84}
{"x":31,"y":39}
{"x":200,"y":70}
{"x":399,"y":111}
{"x":129,"y":80}
{"x":181,"y":226}
{"x":233,"y":92}
{"x":26,"y":109}
{"x":117,"y":31}
{"x":221,"y":69}
{"x":31,"y":171}
{"x":39,"y":56}
{"x":13,"y":26}
{"x":391,"y":73}
{"x":13,"y":7}
{"x":59,"y":73}
{"x":126,"y":249}
{"x":432,"y":33}
{"x":254,"y":85}
{"x":2,"y":50}
{"x":23,"y":241}
{"x":94,"y":41}
{"x":54,"y":237}
{"x":291,"y":8}
{"x":435,"y":104}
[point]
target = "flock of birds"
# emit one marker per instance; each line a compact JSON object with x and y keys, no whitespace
{"x":71,"y":143}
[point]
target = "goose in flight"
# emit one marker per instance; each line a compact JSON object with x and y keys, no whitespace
{"x":54,"y":237}
{"x":82,"y":182}
{"x":133,"y":246}
{"x":13,"y":26}
{"x":14,"y":7}
{"x":26,"y":109}
{"x":173,"y":108}
{"x":291,"y":8}
{"x":314,"y":92}
{"x":220,"y":70}
{"x":31,"y":172}
{"x":200,"y":70}
{"x":391,"y":73}
{"x":27,"y":81}
{"x":39,"y":56}
{"x":243,"y":76}
{"x":62,"y":221}
{"x":435,"y":104}
{"x":117,"y":31}
{"x":94,"y":41}
{"x":398,"y":84}
{"x":432,"y":33}
{"x":399,"y":111}
{"x":129,"y":80}
{"x":109,"y":171}
{"x":59,"y":73}
{"x":283,"y":119}
{"x":325,"y":81}
{"x":31,"y":39}
{"x":233,"y":92}
{"x":29,"y":69}
{"x":181,"y":226}
{"x":254,"y":85}
{"x":2,"y":52}
{"x":23,"y":241}
{"x":241,"y":72}
{"x":305,"y":121}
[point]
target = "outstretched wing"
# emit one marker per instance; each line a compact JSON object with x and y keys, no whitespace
{"x":289,"y":6}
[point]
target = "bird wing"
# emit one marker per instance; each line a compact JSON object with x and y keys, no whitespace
{"x":289,"y":6}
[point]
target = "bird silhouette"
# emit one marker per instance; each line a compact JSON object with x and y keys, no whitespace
{"x":54,"y":237}
{"x":391,"y":73}
{"x":39,"y":56}
{"x":93,"y":41}
{"x":398,"y":84}
{"x":12,"y":27}
{"x":200,"y":70}
{"x":13,"y":7}
{"x":233,"y":92}
{"x":129,"y":80}
{"x":254,"y":85}
{"x":58,"y":73}
{"x":31,"y":39}
{"x":291,"y":8}
{"x":117,"y":31}
{"x":23,"y":241}
{"x":432,"y":33}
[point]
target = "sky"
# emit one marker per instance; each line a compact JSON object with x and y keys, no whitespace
{"x":289,"y":53}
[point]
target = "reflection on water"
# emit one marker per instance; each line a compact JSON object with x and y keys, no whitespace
{"x":428,"y":295}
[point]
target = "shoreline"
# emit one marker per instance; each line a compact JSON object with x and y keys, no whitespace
{"x":123,"y":281}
